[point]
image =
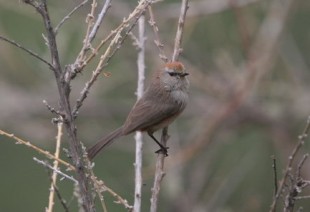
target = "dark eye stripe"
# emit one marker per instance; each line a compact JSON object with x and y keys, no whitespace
{"x":173,"y":74}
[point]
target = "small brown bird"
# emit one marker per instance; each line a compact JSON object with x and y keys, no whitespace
{"x":165,"y":98}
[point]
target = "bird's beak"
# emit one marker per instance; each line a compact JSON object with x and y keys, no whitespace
{"x":184,"y":74}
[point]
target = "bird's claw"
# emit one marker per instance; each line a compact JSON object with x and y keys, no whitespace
{"x":163,"y":151}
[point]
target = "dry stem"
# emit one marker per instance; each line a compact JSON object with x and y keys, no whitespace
{"x":54,"y":175}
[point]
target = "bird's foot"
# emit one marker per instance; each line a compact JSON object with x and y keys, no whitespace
{"x":163,"y":150}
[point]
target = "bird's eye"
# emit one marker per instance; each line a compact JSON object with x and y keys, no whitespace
{"x":172,"y":73}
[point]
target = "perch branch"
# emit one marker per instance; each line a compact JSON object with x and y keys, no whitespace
{"x":159,"y":170}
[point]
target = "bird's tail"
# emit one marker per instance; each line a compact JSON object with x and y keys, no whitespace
{"x":104,"y":142}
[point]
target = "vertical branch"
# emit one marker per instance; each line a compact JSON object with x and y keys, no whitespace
{"x":55,"y":167}
{"x":138,"y":137}
{"x":159,"y":170}
{"x":63,"y":84}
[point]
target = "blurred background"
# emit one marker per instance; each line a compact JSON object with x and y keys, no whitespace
{"x":249,"y":100}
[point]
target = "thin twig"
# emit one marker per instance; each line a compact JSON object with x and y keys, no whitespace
{"x":44,"y":152}
{"x":55,"y":170}
{"x":300,"y":143}
{"x":302,"y":197}
{"x":157,"y":40}
{"x":55,"y":167}
{"x":101,"y":187}
{"x":86,"y":41}
{"x":56,"y":190}
{"x":80,"y":63}
{"x":51,"y":109}
{"x":68,"y":16}
{"x":296,"y":185}
{"x":62,"y":201}
{"x":178,"y":38}
{"x":138,"y":137}
{"x":27,"y":50}
{"x":275,"y":174}
{"x":99,"y":20}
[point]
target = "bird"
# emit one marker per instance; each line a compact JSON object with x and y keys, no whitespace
{"x":162,"y":102}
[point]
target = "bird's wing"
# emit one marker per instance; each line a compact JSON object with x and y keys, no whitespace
{"x":146,"y":113}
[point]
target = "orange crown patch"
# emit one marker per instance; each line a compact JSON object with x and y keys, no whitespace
{"x":176,"y":66}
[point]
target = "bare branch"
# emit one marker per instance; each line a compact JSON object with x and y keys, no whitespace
{"x":138,"y":137}
{"x":101,"y":187}
{"x":300,"y":143}
{"x":63,"y":83}
{"x":55,"y":170}
{"x":27,"y":50}
{"x":81,"y":62}
{"x":69,"y":15}
{"x":101,"y":15}
{"x":178,"y":38}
